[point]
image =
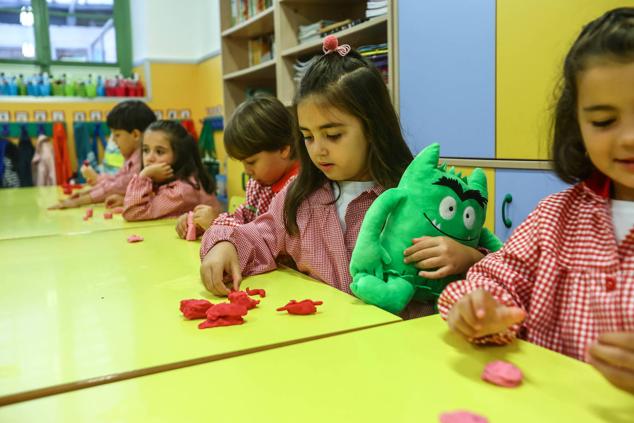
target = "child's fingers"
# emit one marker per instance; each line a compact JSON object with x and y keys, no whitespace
{"x":420,"y":244}
{"x":624,"y":340}
{"x":509,"y":316}
{"x":481,"y":302}
{"x":411,"y":255}
{"x":619,"y":377}
{"x":430,"y":263}
{"x":55,"y":207}
{"x":236,"y":275}
{"x":612,"y":355}
{"x":457,"y":321}
{"x":217,"y":281}
{"x":442,"y":272}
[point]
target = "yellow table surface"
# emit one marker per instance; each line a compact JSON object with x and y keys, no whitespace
{"x":91,"y":305}
{"x":23,"y":214}
{"x":404,"y":372}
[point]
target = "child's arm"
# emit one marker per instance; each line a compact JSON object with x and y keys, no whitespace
{"x":247,"y":211}
{"x":447,"y":256}
{"x":69,"y":203}
{"x":258,"y":243}
{"x":507,"y":276}
{"x":141,"y":203}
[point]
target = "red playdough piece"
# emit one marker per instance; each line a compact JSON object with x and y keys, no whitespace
{"x":107,"y":215}
{"x":89,"y":212}
{"x":461,"y":416}
{"x":67,"y":190}
{"x":117,"y":210}
{"x":241,"y":297}
{"x":222,"y":321}
{"x":302,"y":307}
{"x":257,"y":291}
{"x":502,"y":373}
{"x":195,"y":309}
{"x":191,"y":227}
{"x":135,"y":238}
{"x":224,"y":314}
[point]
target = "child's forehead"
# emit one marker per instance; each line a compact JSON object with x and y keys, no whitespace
{"x":315,"y":112}
{"x":157,"y":138}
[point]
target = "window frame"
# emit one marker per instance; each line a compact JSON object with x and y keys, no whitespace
{"x":123,"y":38}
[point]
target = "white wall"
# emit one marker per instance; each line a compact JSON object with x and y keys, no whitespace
{"x":168,"y":30}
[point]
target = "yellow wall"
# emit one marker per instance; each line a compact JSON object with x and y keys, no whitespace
{"x":532,"y":40}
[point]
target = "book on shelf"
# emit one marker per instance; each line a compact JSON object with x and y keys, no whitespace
{"x":376,"y":8}
{"x":260,"y":49}
{"x":241,"y":10}
{"x":311,"y":31}
{"x":300,"y":67}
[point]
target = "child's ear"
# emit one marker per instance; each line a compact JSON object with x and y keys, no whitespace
{"x":136,"y":134}
{"x":286,"y":152}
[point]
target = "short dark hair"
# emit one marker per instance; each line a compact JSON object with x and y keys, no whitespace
{"x":187,"y":162}
{"x":610,"y":37}
{"x":130,"y":115}
{"x":351,"y":84}
{"x":261,"y":123}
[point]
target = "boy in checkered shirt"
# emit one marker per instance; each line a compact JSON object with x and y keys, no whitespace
{"x":261,"y":134}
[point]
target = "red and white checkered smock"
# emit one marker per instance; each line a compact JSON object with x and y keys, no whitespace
{"x":563,"y":265}
{"x":117,"y":183}
{"x":145,"y":200}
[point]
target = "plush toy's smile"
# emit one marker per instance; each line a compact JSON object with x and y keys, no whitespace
{"x":437,"y":226}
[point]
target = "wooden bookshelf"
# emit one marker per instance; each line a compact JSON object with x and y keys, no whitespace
{"x":282,"y":20}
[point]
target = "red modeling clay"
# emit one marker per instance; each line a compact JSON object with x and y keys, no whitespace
{"x":195,"y":309}
{"x":502,"y":373}
{"x":461,"y":416}
{"x":117,"y":210}
{"x":241,"y":297}
{"x":191,"y":227}
{"x":224,"y":314}
{"x":89,"y":212}
{"x":135,"y":238}
{"x":260,"y":292}
{"x":107,"y":215}
{"x":222,"y":321}
{"x":301,"y":307}
{"x":226,"y":310}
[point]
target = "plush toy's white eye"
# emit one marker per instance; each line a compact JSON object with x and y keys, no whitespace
{"x":447,"y":208}
{"x":468,"y":217}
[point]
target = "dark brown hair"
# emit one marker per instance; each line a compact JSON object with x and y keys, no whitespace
{"x":130,"y":115}
{"x":610,"y":37}
{"x":354,"y":86}
{"x":261,"y":123}
{"x":187,"y":163}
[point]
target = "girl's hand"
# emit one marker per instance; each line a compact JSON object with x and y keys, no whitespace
{"x":447,"y":256}
{"x":159,"y":172}
{"x":181,"y":226}
{"x":204,"y":215}
{"x":478,"y":314}
{"x":70,"y":203}
{"x":89,"y":174}
{"x":219,"y":267}
{"x":613,"y":356}
{"x":114,"y":200}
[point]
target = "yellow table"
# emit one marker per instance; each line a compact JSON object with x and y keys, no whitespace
{"x":404,"y":372}
{"x":93,"y":306}
{"x":23,"y":214}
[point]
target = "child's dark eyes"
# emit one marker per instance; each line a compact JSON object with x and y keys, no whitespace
{"x":333,"y":137}
{"x":307,"y":138}
{"x":602,"y":123}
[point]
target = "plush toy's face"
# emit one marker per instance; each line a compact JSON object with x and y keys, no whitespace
{"x":459,"y":211}
{"x":443,"y":202}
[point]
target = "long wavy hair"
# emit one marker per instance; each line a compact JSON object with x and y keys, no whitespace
{"x":354,"y":86}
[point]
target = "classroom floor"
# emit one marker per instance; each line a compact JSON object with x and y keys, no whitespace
{"x":90,"y":330}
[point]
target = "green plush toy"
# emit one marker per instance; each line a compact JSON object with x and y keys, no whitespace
{"x":430,"y":200}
